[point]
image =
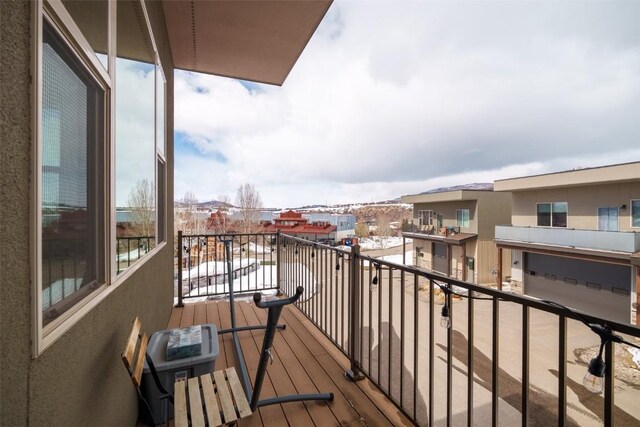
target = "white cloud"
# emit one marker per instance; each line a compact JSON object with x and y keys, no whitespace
{"x":392,"y":98}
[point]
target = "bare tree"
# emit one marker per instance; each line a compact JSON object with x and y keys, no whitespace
{"x":362,"y":229}
{"x":141,"y":201}
{"x":186,"y":217}
{"x":383,"y":230}
{"x":249,"y":202}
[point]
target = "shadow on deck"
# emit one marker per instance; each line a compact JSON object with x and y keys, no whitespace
{"x":305,"y":361}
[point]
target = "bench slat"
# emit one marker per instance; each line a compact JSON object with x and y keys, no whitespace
{"x":238,"y":393}
{"x":127,"y":356}
{"x":225,"y":397}
{"x":210,"y":403}
{"x":180,"y":406}
{"x":195,"y":403}
{"x":137,"y":373}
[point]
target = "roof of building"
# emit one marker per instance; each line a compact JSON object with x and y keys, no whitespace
{"x":450,"y":194}
{"x":623,"y":172}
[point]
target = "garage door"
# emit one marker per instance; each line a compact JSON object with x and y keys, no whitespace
{"x":596,"y":288}
{"x":440,"y":261}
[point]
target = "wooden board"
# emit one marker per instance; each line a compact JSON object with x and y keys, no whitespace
{"x":210,"y":401}
{"x":180,"y":405}
{"x":225,"y":397}
{"x":195,"y":403}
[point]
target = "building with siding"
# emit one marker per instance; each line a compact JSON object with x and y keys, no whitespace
{"x":453,"y":230}
{"x":575,"y":238}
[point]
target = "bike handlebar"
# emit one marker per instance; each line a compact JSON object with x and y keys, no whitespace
{"x":257,"y":298}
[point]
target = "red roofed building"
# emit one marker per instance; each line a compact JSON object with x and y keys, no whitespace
{"x":293,"y":224}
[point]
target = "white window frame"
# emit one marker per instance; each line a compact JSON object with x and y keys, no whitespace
{"x":631,"y":213}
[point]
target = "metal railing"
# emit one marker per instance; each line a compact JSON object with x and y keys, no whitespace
{"x":506,"y":359}
{"x":201,"y":270}
{"x":131,"y":248}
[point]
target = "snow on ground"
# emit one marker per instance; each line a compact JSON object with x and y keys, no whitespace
{"x":375,"y":242}
{"x":213,"y":268}
{"x":254,"y":248}
{"x":264,"y":276}
{"x":396,"y":259}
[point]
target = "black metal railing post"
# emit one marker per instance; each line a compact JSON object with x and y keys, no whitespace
{"x":354,"y":373}
{"x":278,"y":262}
{"x":179,"y":304}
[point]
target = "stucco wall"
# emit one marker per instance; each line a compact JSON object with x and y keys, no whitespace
{"x":583,"y":203}
{"x":79,"y":379}
{"x":15,"y":135}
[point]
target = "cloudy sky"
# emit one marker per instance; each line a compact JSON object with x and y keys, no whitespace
{"x":394,"y":97}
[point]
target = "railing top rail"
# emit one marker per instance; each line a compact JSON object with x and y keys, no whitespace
{"x":228,"y":234}
{"x":315,"y":244}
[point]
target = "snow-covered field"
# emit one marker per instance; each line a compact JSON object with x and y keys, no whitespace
{"x":249,"y":275}
{"x":375,"y":242}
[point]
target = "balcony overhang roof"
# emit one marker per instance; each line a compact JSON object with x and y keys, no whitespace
{"x":455,"y":239}
{"x":445,"y":196}
{"x":250,"y":40}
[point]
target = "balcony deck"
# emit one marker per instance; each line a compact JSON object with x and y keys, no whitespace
{"x":305,"y":361}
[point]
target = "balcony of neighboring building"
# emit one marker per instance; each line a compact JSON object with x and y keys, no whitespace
{"x":621,"y":243}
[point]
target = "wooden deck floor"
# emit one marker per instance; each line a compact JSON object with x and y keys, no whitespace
{"x":305,"y":361}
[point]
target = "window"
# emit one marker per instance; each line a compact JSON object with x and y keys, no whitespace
{"x":139,"y":140}
{"x":635,"y":213}
{"x":92,"y":19}
{"x":425,"y":217}
{"x":552,"y":214}
{"x":72,"y":187}
{"x":73,"y":138}
{"x":608,"y":219}
{"x":462,"y":218}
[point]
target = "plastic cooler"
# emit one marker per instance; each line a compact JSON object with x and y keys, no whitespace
{"x":171,"y":371}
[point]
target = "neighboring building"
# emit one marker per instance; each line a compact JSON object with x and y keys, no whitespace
{"x":453,"y":230}
{"x":87,"y":107}
{"x":575,"y":237}
{"x":345,"y":223}
{"x":294,"y":224}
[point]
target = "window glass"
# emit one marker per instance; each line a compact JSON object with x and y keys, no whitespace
{"x":135,"y":186}
{"x":608,"y":219}
{"x":559,"y":214}
{"x":92,"y":18}
{"x":160,"y":110}
{"x":462,"y":217}
{"x":635,"y":213}
{"x":72,"y":188}
{"x":161,"y":201}
{"x":544,"y":214}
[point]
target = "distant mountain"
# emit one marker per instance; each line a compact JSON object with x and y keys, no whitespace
{"x":211,"y":204}
{"x":478,"y":186}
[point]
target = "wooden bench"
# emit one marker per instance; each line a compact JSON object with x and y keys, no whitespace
{"x":217,"y":399}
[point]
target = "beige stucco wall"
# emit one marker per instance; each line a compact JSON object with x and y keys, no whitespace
{"x":494,"y":208}
{"x":79,"y":379}
{"x":583,"y":203}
